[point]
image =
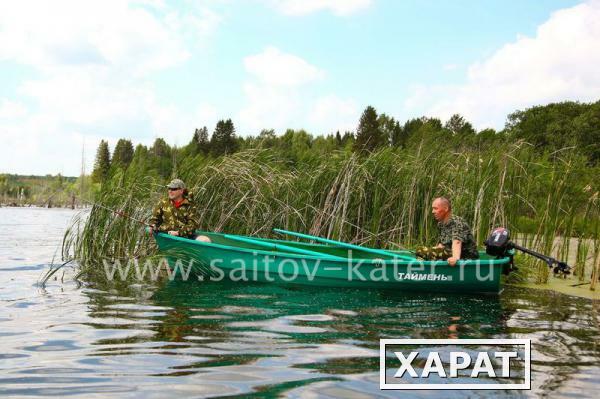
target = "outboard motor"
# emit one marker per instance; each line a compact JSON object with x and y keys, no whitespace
{"x":499,"y":244}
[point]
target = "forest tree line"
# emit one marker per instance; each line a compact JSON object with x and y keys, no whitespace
{"x":548,"y":128}
{"x":372,"y":186}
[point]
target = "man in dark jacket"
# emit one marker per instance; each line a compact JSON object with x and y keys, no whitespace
{"x":455,"y":237}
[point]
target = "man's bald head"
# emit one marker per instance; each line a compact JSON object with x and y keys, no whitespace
{"x":443,"y":201}
{"x":441,"y":209}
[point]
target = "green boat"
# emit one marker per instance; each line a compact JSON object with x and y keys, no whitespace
{"x":336,"y":264}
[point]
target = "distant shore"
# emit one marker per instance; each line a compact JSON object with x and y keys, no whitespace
{"x":58,"y":206}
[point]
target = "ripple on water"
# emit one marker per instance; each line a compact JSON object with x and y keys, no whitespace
{"x":342,"y":312}
{"x":211,"y":317}
{"x":249,"y":296}
{"x":53,"y":346}
{"x":280,"y":324}
{"x":23,"y":268}
{"x":244,"y":310}
{"x":22,"y":304}
{"x":310,"y":317}
{"x":6,"y":356}
{"x":137,"y":307}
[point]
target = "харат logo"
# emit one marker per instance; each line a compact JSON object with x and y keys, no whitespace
{"x":455,"y":364}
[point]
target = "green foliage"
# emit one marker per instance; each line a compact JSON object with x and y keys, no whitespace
{"x":266,"y":139}
{"x":392,"y":130}
{"x":123,"y":154}
{"x":559,"y":125}
{"x":102,"y":163}
{"x":140,"y":155}
{"x":458,"y":126}
{"x":369,"y":135}
{"x":223,"y":140}
{"x":200,"y":143}
{"x":44,"y":190}
{"x":382,"y":199}
{"x":374,"y":189}
{"x":160,"y":160}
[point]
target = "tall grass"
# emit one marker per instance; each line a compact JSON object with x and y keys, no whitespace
{"x":381,"y":200}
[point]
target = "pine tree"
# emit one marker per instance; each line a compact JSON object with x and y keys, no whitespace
{"x":140,"y":158}
{"x":368,"y":134}
{"x":160,"y":149}
{"x":223,"y":140}
{"x":102,"y":163}
{"x":338,"y":139}
{"x":161,"y":158}
{"x":217,"y":140}
{"x":399,"y":136}
{"x":389,"y":127}
{"x":203,"y":140}
{"x":200,"y":142}
{"x":412,"y":126}
{"x":231,"y":143}
{"x":123,"y":153}
{"x":348,"y":137}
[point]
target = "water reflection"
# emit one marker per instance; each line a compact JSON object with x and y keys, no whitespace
{"x":273,"y":339}
{"x":258,"y":337}
{"x":228,"y":339}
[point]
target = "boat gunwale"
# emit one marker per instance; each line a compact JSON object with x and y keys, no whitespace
{"x":377,"y":261}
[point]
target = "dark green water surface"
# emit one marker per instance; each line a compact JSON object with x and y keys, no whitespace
{"x":191,"y":339}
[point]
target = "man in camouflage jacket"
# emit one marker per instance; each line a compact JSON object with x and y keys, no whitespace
{"x":455,"y":237}
{"x":175,"y":215}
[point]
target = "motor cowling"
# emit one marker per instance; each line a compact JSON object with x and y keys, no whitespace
{"x":498,"y":243}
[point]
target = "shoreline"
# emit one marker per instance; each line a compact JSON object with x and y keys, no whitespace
{"x":34,"y":206}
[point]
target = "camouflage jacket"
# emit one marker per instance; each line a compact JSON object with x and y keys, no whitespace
{"x":167,"y":217}
{"x":457,"y":229}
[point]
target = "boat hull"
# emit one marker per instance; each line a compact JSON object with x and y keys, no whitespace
{"x":217,"y":261}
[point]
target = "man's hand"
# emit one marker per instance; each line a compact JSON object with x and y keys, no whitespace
{"x":456,"y":251}
{"x":174,"y":233}
{"x":452,"y":261}
{"x":151,"y":229}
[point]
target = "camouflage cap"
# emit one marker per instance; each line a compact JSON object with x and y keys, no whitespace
{"x":176,"y":183}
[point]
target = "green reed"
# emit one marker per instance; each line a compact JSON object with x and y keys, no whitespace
{"x":381,"y":199}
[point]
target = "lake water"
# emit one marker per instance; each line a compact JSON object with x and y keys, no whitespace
{"x":250,"y":340}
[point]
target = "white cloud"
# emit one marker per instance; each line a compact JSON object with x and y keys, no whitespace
{"x":331,"y":113}
{"x":273,"y":93}
{"x":112,"y":33}
{"x":337,"y":7}
{"x":94,"y":64}
{"x":559,"y":63}
{"x":275,"y":68}
{"x":268,"y":107}
{"x":277,"y":97}
{"x":11,"y":109}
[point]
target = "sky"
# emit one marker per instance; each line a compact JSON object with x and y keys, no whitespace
{"x":75,"y":72}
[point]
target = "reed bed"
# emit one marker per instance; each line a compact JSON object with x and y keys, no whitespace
{"x":381,"y":200}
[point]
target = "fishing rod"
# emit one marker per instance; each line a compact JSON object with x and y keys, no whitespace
{"x":119,"y":213}
{"x":499,"y":244}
